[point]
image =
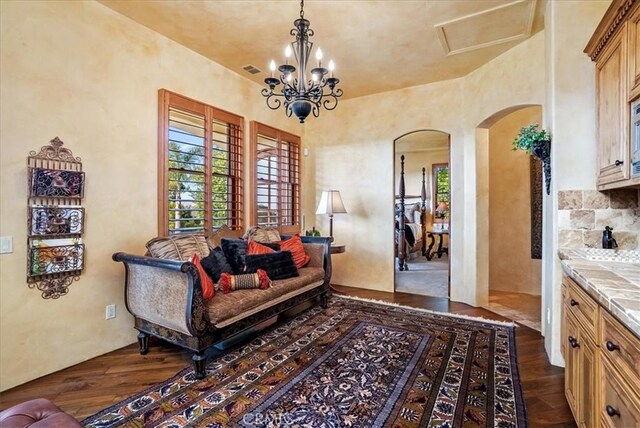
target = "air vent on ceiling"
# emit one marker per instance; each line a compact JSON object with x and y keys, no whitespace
{"x":251,"y":69}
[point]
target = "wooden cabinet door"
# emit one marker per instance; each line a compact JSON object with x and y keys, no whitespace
{"x":634,"y":55}
{"x":572,"y":362}
{"x":588,"y":393}
{"x":613,"y":117}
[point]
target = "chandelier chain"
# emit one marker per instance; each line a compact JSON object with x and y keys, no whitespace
{"x":302,"y":9}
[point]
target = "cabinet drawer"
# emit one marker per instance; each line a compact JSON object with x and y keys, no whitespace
{"x":621,"y":347}
{"x":582,"y":306}
{"x":619,"y":405}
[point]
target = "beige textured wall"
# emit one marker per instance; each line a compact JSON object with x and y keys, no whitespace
{"x":80,"y":71}
{"x":511,"y":267}
{"x":354,"y":153}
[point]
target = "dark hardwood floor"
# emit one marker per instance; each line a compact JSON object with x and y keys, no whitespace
{"x":88,"y":387}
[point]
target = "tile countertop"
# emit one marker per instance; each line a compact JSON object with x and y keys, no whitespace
{"x":613,"y":283}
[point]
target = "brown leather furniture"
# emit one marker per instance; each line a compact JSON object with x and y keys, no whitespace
{"x":38,"y":413}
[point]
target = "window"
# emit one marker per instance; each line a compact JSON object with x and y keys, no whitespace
{"x":276,"y":178}
{"x":440,"y":192}
{"x":200,"y":185}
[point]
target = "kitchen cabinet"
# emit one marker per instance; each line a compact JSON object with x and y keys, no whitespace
{"x":602,"y":363}
{"x":614,"y":47}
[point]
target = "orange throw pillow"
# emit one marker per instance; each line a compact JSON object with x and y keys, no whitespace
{"x":294,"y":244}
{"x":208,"y":290}
{"x":257,"y":248}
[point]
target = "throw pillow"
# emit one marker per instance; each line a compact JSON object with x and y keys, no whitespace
{"x":178,"y":247}
{"x":235,"y":251}
{"x":206,"y":283}
{"x":257,"y":248}
{"x":215,"y":264}
{"x":246,"y":281}
{"x":223,"y":231}
{"x":262,"y":234}
{"x":278,"y":265}
{"x":294,"y":244}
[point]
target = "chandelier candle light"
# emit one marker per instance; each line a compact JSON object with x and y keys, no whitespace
{"x":301,"y":94}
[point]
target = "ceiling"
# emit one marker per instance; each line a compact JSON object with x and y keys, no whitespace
{"x":377,"y":45}
{"x":422,"y":141}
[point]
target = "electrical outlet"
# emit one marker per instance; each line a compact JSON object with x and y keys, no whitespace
{"x":111,"y":311}
{"x":6,"y":244}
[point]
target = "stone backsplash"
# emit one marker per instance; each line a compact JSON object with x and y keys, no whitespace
{"x":583,"y":215}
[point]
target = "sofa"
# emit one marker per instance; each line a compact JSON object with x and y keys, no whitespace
{"x":36,"y":413}
{"x":165,"y":298}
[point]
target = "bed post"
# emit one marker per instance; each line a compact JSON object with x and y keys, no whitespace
{"x":423,"y":213}
{"x":402,"y":244}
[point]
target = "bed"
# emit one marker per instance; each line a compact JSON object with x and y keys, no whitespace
{"x":410,"y":222}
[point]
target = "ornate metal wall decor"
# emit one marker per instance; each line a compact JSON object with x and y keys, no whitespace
{"x":56,"y":188}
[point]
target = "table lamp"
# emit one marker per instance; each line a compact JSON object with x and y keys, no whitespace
{"x":331,"y":203}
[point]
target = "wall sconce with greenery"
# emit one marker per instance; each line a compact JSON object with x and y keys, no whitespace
{"x":536,"y":142}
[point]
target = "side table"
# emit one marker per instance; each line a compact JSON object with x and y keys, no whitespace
{"x":338,"y":249}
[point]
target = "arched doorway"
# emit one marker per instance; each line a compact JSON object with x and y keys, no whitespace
{"x":421,"y":213}
{"x":509,"y":217}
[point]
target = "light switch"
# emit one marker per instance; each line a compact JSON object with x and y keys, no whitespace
{"x":305,"y":151}
{"x":6,"y":244}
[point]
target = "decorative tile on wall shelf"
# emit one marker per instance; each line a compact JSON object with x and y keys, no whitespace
{"x":583,"y":215}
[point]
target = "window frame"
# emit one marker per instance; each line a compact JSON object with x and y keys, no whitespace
{"x":257,"y":128}
{"x":434,"y":180}
{"x":167,"y":100}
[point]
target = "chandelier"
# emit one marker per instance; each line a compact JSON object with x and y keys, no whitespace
{"x":302,"y":94}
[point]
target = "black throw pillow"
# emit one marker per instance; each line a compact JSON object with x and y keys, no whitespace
{"x":278,"y":265}
{"x":235,"y":250}
{"x":215,"y":264}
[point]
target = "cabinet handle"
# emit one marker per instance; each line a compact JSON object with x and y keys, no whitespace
{"x":612,"y":346}
{"x":619,"y":162}
{"x":611,"y":411}
{"x":573,"y":342}
{"x":573,"y":303}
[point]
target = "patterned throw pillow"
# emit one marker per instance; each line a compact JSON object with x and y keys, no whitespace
{"x":262,"y":234}
{"x":294,"y":244}
{"x":215,"y":264}
{"x":229,"y":283}
{"x":235,"y":250}
{"x":208,"y":290}
{"x":258,"y":248}
{"x":178,"y":247}
{"x":278,"y":265}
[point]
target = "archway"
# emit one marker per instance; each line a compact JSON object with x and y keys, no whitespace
{"x":421,"y":215}
{"x":509,"y":218}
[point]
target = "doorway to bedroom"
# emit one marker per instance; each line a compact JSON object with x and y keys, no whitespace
{"x":421,"y":213}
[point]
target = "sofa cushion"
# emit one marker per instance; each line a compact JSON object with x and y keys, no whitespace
{"x":205,"y":281}
{"x":258,"y":248}
{"x":277,"y":264}
{"x":294,"y":244}
{"x":178,"y":247}
{"x":235,"y":250}
{"x":262,"y":234}
{"x":224,"y":231}
{"x":226,"y":307}
{"x":245,"y":281}
{"x":215,"y":264}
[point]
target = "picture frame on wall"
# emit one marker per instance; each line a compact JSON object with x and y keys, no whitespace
{"x":51,"y":220}
{"x":49,"y":256}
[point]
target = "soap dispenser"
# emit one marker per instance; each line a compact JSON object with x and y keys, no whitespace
{"x":607,"y":238}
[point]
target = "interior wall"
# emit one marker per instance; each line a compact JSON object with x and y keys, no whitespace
{"x":354,"y":151}
{"x":511,"y":267}
{"x":82,"y":72}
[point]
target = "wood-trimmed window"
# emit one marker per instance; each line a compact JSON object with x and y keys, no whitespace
{"x":200,"y":166}
{"x":275,"y":174}
{"x":441,"y":191}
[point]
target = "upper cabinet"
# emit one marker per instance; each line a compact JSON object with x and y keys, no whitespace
{"x":615,"y":48}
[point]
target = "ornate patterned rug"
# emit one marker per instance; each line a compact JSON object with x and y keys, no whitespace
{"x":355,"y":364}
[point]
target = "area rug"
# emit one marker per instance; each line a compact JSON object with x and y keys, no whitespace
{"x":357,"y":363}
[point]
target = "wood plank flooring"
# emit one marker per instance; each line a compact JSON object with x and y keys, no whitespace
{"x":88,"y":387}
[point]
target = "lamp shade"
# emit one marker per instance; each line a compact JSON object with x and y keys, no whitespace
{"x":330,"y":203}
